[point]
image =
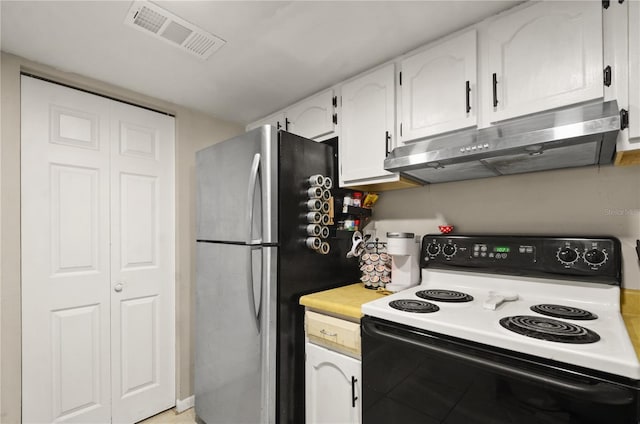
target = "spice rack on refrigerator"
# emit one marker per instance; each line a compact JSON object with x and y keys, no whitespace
{"x":318,"y":213}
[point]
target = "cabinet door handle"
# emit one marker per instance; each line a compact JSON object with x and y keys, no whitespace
{"x":354,"y":398}
{"x":326,"y":333}
{"x":468,"y":95}
{"x":495,"y":90}
{"x":387,"y":139}
{"x":278,"y":125}
{"x":286,"y":123}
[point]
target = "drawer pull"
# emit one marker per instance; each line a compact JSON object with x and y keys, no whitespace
{"x":326,"y":333}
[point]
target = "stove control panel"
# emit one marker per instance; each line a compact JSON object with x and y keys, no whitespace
{"x":593,"y":258}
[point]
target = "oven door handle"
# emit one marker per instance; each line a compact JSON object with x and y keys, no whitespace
{"x":600,"y":392}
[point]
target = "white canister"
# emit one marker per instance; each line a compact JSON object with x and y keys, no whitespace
{"x":401,"y":244}
{"x":346,"y":202}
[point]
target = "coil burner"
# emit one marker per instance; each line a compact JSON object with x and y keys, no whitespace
{"x":411,"y":305}
{"x":549,"y":329}
{"x":561,"y":311}
{"x":445,"y":296}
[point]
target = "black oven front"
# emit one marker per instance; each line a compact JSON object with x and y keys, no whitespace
{"x":414,"y":376}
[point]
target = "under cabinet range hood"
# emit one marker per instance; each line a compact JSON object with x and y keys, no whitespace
{"x":564,"y":138}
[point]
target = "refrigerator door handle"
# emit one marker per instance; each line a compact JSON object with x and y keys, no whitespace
{"x":252,"y":297}
{"x":253,"y":180}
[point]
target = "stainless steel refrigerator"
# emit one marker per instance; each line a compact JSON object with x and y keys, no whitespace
{"x":252,"y":267}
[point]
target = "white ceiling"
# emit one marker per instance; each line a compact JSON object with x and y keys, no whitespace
{"x":276,"y":52}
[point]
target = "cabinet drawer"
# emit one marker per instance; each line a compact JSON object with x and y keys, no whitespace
{"x":333,"y":332}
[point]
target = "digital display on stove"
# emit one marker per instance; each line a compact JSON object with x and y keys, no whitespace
{"x":502,"y":249}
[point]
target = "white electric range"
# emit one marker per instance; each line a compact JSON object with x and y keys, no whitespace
{"x":548,"y":307}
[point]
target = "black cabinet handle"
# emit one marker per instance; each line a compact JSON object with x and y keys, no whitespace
{"x":286,"y":123}
{"x":387,"y":139}
{"x":495,"y":90}
{"x":278,"y":126}
{"x":354,"y":398}
{"x":468,"y":96}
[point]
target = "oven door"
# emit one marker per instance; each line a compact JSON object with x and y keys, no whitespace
{"x":414,"y":376}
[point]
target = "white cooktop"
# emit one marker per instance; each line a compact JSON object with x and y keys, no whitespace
{"x":613,"y":353}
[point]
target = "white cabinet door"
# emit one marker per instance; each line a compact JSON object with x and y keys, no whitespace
{"x":333,"y":383}
{"x":314,"y":117}
{"x":276,"y":120}
{"x":438,"y":88}
{"x":634,"y":70}
{"x":542,"y":57}
{"x":97,"y":258}
{"x":368,"y":122}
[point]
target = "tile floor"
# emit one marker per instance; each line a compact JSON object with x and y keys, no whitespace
{"x":171,"y":417}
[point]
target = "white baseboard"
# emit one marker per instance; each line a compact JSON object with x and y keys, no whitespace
{"x":184,"y":404}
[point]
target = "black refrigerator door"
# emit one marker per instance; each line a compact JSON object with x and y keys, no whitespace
{"x":301,"y":270}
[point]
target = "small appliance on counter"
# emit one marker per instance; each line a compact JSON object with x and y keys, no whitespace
{"x":404,"y":249}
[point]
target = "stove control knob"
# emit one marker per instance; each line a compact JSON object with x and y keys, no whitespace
{"x":449,"y":250}
{"x":567,"y":256}
{"x":433,"y":249}
{"x":595,"y":257}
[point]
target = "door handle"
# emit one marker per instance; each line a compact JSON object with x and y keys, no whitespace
{"x":354,"y":398}
{"x":253,"y":180}
{"x":495,"y":90}
{"x":387,"y":139}
{"x":252,"y":298}
{"x":326,"y":333}
{"x":468,"y":96}
{"x":118,"y":287}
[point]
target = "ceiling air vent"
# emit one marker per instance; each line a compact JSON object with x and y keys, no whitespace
{"x":155,"y":21}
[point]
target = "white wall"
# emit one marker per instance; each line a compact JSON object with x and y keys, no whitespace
{"x":194,"y":130}
{"x":584,"y":201}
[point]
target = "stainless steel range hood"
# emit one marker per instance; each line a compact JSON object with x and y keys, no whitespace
{"x":564,"y":138}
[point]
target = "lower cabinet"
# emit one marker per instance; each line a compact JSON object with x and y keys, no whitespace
{"x":333,"y":383}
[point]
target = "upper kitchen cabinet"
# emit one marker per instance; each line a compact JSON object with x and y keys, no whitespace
{"x":368,"y":122}
{"x":313,"y":118}
{"x":277,"y":120}
{"x":540,"y":57}
{"x":624,"y":41}
{"x":438,"y":88}
{"x":634,"y":72}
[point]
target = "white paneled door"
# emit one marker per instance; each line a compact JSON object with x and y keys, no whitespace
{"x":97,"y":258}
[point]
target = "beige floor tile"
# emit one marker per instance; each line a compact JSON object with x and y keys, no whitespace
{"x":170,"y":417}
